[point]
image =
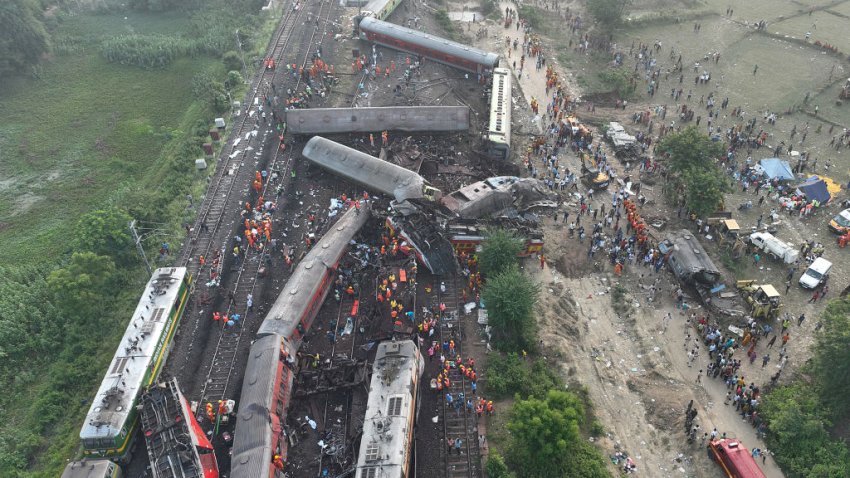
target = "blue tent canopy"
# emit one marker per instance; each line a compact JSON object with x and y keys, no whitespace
{"x":815,"y":188}
{"x":776,"y":168}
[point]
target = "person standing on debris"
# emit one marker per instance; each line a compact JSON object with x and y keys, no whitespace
{"x":542,"y":261}
{"x":385,"y":137}
{"x":250,"y":302}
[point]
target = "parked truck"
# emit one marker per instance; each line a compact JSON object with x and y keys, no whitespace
{"x":780,"y":250}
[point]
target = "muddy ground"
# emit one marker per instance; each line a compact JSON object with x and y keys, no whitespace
{"x":638,"y":377}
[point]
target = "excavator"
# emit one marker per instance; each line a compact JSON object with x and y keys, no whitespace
{"x":592,"y":176}
{"x":764,"y":300}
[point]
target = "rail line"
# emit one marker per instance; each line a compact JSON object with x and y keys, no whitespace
{"x":214,"y":207}
{"x":219,"y":375}
{"x":460,"y":422}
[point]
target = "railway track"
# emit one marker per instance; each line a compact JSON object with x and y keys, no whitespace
{"x":458,"y":423}
{"x":220,"y":373}
{"x":207,"y":230}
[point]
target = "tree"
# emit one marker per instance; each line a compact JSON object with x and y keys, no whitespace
{"x":81,"y":286}
{"x":23,"y":38}
{"x":499,"y":252}
{"x":510,"y":297}
{"x":705,"y":189}
{"x":234,"y":79}
{"x":232,"y":61}
{"x":105,"y":232}
{"x":496,"y":467}
{"x":799,"y":433}
{"x":609,"y":13}
{"x":545,"y":439}
{"x":689,"y":149}
{"x":694,"y":173}
{"x":832,"y":357}
{"x":619,"y":80}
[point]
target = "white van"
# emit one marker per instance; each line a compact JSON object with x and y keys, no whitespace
{"x":816,"y":274}
{"x":768,"y":243}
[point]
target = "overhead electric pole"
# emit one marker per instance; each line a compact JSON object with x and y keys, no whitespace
{"x":138,"y":241}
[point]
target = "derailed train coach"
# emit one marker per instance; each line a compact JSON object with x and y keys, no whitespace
{"x":439,"y":49}
{"x":368,"y":171}
{"x":259,"y":441}
{"x":371,"y":119}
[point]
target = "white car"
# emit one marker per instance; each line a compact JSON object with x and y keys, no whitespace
{"x":816,"y":274}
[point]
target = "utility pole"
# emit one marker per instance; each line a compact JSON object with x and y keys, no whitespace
{"x":138,"y":241}
{"x":241,"y":56}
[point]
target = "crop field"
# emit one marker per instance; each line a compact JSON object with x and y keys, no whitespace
{"x":83,"y":132}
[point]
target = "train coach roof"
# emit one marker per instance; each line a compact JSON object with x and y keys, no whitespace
{"x":425,"y":40}
{"x":134,"y":356}
{"x":370,"y":119}
{"x":252,"y":439}
{"x":294,"y":300}
{"x":88,"y":469}
{"x":388,"y":410}
{"x":364,"y":169}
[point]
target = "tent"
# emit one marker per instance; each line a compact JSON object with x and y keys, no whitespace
{"x":776,"y":168}
{"x":815,"y":188}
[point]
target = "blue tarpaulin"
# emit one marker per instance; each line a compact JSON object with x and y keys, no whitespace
{"x":776,"y":168}
{"x":815,"y":188}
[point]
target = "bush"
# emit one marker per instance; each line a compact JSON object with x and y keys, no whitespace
{"x":232,"y":61}
{"x":532,"y":15}
{"x":799,"y":433}
{"x":618,"y":80}
{"x":146,"y":51}
{"x":509,"y":375}
{"x":546,"y":439}
{"x":496,"y":467}
{"x":607,"y":12}
{"x":510,"y":297}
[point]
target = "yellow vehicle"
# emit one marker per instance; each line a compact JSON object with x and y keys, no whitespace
{"x":592,"y":175}
{"x":764,"y":299}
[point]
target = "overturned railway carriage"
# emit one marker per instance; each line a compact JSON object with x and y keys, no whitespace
{"x":387,"y":443}
{"x":259,"y":442}
{"x":112,"y":420}
{"x":369,"y":120}
{"x":435,"y":48}
{"x":499,"y":129}
{"x":368,"y":171}
{"x":177,"y":445}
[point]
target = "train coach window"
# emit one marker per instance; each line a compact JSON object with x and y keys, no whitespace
{"x":403,"y":116}
{"x":353,"y":118}
{"x":430,"y":117}
{"x":372,"y":452}
{"x":326,"y":119}
{"x":394,"y":407}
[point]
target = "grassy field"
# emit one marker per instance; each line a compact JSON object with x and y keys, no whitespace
{"x":83,"y":133}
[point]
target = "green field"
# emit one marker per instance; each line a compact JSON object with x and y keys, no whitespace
{"x":84,"y":133}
